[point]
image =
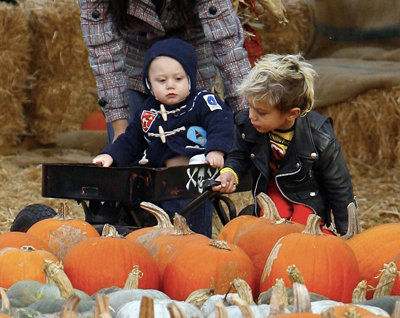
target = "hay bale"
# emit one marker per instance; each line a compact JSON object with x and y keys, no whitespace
{"x":292,"y":37}
{"x":367,"y":127}
{"x":15,"y":58}
{"x":64,"y":90}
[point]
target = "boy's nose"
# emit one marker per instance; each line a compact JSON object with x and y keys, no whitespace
{"x":170,"y":84}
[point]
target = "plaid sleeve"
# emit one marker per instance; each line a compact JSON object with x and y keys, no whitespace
{"x":106,"y":57}
{"x":223,"y":29}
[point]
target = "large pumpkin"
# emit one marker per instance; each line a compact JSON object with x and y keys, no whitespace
{"x":19,"y":239}
{"x":328,"y":265}
{"x":62,"y":232}
{"x":206,"y":264}
{"x":258,"y":236}
{"x":163,"y":247}
{"x":25,"y":263}
{"x":373,"y":248}
{"x":105,"y":261}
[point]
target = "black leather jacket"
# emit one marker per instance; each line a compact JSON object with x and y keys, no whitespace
{"x":313,"y":171}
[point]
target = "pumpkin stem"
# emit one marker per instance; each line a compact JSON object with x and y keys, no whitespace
{"x":110,"y":231}
{"x":63,"y":211}
{"x":313,"y":225}
{"x":70,"y":307}
{"x":175,"y":311}
{"x":146,"y":307}
{"x":161,"y":216}
{"x":180,"y":225}
{"x":279,"y":298}
{"x":295,"y":275}
{"x":353,"y":226}
{"x":396,"y":310}
{"x":5,"y":301}
{"x":199,"y":296}
{"x":244,"y":290}
{"x":27,"y":248}
{"x":243,"y":306}
{"x":388,"y":276}
{"x":360,"y":292}
{"x":270,"y":212}
{"x":223,"y":245}
{"x":302,"y":302}
{"x":55,"y":274}
{"x":132,"y":282}
{"x":102,"y":308}
{"x":220,"y":310}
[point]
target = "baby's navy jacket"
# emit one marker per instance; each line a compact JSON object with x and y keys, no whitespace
{"x":198,"y":125}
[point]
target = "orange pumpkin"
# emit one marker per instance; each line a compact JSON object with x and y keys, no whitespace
{"x":373,"y":248}
{"x":145,"y":235}
{"x":19,"y":239}
{"x":206,"y":264}
{"x":95,"y":121}
{"x":258,"y":236}
{"x":25,"y":263}
{"x":328,"y":265}
{"x":100,"y":262}
{"x":163,"y":247}
{"x":62,"y":232}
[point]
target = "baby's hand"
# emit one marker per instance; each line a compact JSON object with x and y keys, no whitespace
{"x":215,"y":159}
{"x":227,"y":185}
{"x":103,"y":160}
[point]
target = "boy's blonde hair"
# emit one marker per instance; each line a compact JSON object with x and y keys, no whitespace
{"x":285,"y":81}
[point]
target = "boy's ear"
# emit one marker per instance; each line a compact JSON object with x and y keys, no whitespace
{"x":293,"y":113}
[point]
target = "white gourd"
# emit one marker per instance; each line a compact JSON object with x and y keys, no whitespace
{"x":132,"y":309}
{"x":119,"y":298}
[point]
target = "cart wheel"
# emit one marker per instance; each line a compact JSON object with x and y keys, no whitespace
{"x":30,"y":215}
{"x":247,"y":210}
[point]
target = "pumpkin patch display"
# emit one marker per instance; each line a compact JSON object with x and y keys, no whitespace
{"x":106,"y":261}
{"x":328,"y":265}
{"x":206,"y":264}
{"x":23,"y":263}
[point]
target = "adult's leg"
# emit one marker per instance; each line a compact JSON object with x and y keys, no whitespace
{"x":135,"y":100}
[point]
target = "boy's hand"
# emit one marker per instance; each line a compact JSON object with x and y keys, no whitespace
{"x":227,"y":185}
{"x":215,"y":159}
{"x":103,"y":160}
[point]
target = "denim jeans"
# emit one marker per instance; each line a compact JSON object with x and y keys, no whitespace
{"x":135,"y":100}
{"x":199,"y":220}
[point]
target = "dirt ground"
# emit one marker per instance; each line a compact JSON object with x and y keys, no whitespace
{"x":377,"y":191}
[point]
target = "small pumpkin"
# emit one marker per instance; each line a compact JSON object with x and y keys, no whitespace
{"x":19,"y":239}
{"x":62,"y":231}
{"x":105,"y":261}
{"x":23,"y":263}
{"x":95,"y":121}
